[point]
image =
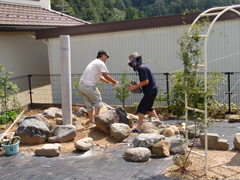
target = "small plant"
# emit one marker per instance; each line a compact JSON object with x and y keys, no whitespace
{"x":8,"y":117}
{"x":123,"y":93}
{"x":75,"y":84}
{"x":182,"y":162}
{"x":9,"y":104}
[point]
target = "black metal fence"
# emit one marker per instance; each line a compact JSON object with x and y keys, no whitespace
{"x":47,"y":89}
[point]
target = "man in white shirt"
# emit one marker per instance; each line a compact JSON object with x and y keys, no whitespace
{"x":94,"y":72}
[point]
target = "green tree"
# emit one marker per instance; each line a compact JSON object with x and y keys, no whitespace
{"x":97,"y":11}
{"x":160,"y":8}
{"x":123,"y":93}
{"x":131,"y":13}
{"x":190,"y":80}
{"x":128,"y":3}
{"x":109,"y":4}
{"x":119,"y":5}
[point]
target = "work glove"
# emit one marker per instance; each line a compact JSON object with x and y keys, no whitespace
{"x":118,"y":85}
{"x":112,"y":84}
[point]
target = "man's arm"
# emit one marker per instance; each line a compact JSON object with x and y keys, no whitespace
{"x":139,"y":84}
{"x":107,"y":79}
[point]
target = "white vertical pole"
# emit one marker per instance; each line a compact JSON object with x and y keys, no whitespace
{"x":205,"y":104}
{"x":186,"y":116}
{"x":66,"y":89}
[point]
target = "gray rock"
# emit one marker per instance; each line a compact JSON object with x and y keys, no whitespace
{"x":214,"y":142}
{"x":232,"y":118}
{"x":191,"y":131}
{"x":63,"y":133}
{"x":149,"y":127}
{"x":123,"y":117}
{"x":236,"y":141}
{"x":81,"y":112}
{"x":223,"y":144}
{"x":156,"y":121}
{"x":135,"y":91}
{"x":168,"y":132}
{"x":120,"y":131}
{"x":175,"y":128}
{"x":84,"y":144}
{"x":104,"y":120}
{"x":49,"y":150}
{"x":139,"y":154}
{"x":177,"y":146}
{"x":161,"y":149}
{"x":50,"y":112}
{"x":147,"y":140}
{"x":32,"y":130}
{"x":58,"y":114}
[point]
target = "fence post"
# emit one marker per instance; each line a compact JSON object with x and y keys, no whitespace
{"x":167,"y":84}
{"x":30,"y":89}
{"x":229,"y":93}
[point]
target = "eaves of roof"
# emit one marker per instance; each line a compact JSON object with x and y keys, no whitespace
{"x":153,"y":22}
{"x":17,"y":16}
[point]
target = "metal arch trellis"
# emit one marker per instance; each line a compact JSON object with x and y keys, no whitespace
{"x":217,"y":12}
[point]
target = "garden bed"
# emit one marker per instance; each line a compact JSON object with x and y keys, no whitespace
{"x":221,"y":164}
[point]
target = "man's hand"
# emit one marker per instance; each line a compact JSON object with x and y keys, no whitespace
{"x":130,"y":87}
{"x":118,"y":85}
{"x":112,"y":84}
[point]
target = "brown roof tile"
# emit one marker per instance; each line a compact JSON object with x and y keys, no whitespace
{"x":24,"y":15}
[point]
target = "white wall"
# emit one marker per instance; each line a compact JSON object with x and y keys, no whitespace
{"x":158,"y":46}
{"x":42,"y":3}
{"x":23,"y":54}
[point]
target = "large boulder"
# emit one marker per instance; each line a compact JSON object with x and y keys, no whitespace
{"x":63,"y":133}
{"x":123,"y":117}
{"x":161,"y":149}
{"x":33,"y":130}
{"x":139,"y":154}
{"x":50,"y":112}
{"x":232,"y":118}
{"x":104,"y":120}
{"x":50,"y":150}
{"x":149,"y":127}
{"x":120,"y":131}
{"x":156,"y":121}
{"x":178,"y":144}
{"x":147,"y":140}
{"x":84,"y":144}
{"x":214,"y":142}
{"x":236,"y":141}
{"x":168,"y":132}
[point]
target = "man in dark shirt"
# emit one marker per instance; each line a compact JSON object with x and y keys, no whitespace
{"x":148,"y":85}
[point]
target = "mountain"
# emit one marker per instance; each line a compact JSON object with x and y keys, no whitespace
{"x":96,"y":11}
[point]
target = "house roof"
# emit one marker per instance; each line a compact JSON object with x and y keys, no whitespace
{"x":136,"y":24}
{"x":25,"y":17}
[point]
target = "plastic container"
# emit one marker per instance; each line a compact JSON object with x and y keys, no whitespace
{"x":11,"y":149}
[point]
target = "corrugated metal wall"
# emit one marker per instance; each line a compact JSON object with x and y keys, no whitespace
{"x":158,"y":46}
{"x":224,"y":47}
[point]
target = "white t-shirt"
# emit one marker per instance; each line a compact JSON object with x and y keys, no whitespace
{"x":93,"y":72}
